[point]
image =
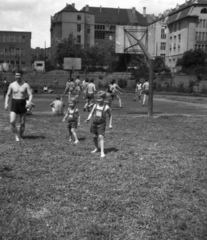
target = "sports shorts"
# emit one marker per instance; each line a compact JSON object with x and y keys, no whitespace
{"x":72,"y":125}
{"x":18,"y":106}
{"x":98,"y":129}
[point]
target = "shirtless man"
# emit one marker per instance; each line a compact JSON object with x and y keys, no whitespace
{"x":78,"y":87}
{"x":19,"y":90}
{"x":57,"y":106}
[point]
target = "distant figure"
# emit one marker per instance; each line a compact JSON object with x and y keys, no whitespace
{"x":138,"y":91}
{"x":145,"y":91}
{"x":45,"y":89}
{"x":77,"y":87}
{"x":57,"y":106}
{"x":19,"y":90}
{"x":5,"y":86}
{"x":116,"y":89}
{"x":84,"y":87}
{"x":69,"y":88}
{"x":73,"y":118}
{"x":90,"y":94}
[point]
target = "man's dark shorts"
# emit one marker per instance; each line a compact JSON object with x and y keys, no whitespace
{"x":18,"y":106}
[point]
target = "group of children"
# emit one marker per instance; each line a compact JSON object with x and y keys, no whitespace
{"x":99,"y":112}
{"x":141,"y":89}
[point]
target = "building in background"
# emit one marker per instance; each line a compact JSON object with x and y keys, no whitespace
{"x":178,"y":30}
{"x":70,"y":20}
{"x":15,"y":49}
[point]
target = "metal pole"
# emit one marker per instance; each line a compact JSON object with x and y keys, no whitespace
{"x":150,"y":100}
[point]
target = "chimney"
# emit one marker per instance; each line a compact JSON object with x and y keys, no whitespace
{"x":87,"y":8}
{"x":118,"y":9}
{"x":66,"y":4}
{"x":73,"y":4}
{"x":177,"y":5}
{"x":100,"y":9}
{"x":144,"y":11}
{"x":133,"y":10}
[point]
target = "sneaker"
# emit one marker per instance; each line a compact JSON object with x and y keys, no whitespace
{"x":103,"y":155}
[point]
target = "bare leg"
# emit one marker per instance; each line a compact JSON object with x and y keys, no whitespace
{"x":74,"y":135}
{"x":101,"y":139}
{"x":119,"y":99}
{"x":22,"y":124}
{"x":144,"y":99}
{"x":14,"y":129}
{"x":95,"y":140}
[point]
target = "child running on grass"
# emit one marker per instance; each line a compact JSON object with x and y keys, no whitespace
{"x":98,"y":126}
{"x":73,"y":119}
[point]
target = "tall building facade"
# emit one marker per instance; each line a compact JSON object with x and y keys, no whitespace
{"x":15,"y":49}
{"x":92,"y":25}
{"x":70,"y":20}
{"x":178,"y":30}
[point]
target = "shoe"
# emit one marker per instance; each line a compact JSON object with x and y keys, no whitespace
{"x":76,"y":142}
{"x":103,"y":155}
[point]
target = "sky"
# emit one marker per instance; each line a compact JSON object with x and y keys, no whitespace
{"x":34,"y":16}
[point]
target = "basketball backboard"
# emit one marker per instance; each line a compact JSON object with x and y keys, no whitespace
{"x":72,"y":64}
{"x":127,"y":39}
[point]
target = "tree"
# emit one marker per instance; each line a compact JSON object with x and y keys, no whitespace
{"x":68,"y":48}
{"x":193,"y":58}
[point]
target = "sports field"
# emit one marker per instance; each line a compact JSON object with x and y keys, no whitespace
{"x":152,"y":184}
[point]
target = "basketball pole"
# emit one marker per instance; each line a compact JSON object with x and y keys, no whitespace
{"x":151,"y":70}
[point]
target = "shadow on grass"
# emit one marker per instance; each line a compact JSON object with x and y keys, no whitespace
{"x":81,"y":139}
{"x":143,"y":112}
{"x":112,"y":149}
{"x":33,"y":137}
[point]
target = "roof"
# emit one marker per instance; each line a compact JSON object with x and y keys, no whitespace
{"x":180,"y":15}
{"x":69,"y":8}
{"x":117,"y":16}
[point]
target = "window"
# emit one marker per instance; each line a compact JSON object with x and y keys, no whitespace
{"x":99,"y":27}
{"x":112,"y":27}
{"x":163,"y":32}
{"x":88,"y":29}
{"x":78,"y":28}
{"x":179,"y":25}
{"x":204,"y":10}
{"x":162,"y":56}
{"x":99,"y":35}
{"x":78,"y":17}
{"x":78,"y":39}
{"x":162,"y":46}
{"x":179,"y":38}
{"x":23,"y":38}
{"x":197,"y":36}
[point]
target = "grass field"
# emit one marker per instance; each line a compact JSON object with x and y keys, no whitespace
{"x":151,"y":185}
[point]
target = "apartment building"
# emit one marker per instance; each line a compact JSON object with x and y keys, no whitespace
{"x":70,"y":20}
{"x":92,"y":25}
{"x":178,"y":30}
{"x":106,"y":20}
{"x":15,"y":49}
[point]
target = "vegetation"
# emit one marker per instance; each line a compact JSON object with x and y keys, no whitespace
{"x":150,"y":186}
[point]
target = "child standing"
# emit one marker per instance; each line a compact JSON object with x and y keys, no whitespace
{"x":98,"y":126}
{"x":73,"y":119}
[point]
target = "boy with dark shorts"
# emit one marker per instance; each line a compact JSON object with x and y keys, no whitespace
{"x":73,"y":119}
{"x":90,"y":94}
{"x":98,"y":126}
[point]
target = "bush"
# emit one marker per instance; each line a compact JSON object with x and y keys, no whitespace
{"x":122,"y":83}
{"x":190,"y":86}
{"x":181,"y":87}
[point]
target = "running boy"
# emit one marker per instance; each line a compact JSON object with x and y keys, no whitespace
{"x":73,"y":119}
{"x":98,"y":126}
